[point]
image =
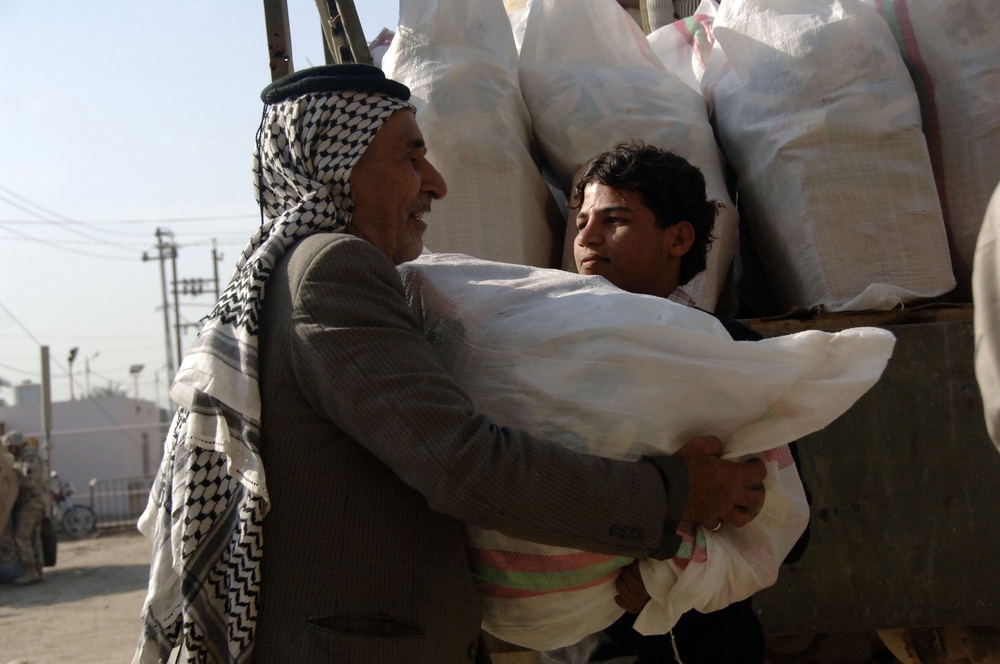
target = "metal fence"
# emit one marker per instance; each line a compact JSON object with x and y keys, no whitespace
{"x":118,"y":502}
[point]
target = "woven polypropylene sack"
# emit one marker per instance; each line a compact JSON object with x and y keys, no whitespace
{"x":684,"y":45}
{"x":818,"y":116}
{"x":607,"y":372}
{"x":459,"y":61}
{"x":952,"y":50}
{"x":591,"y":81}
{"x":986,"y":315}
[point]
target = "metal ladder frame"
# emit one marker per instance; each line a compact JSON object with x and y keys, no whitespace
{"x":343,"y":37}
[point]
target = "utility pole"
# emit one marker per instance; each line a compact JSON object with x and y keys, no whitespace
{"x":72,"y":357}
{"x":216,"y":259}
{"x":196,"y":287}
{"x":156,"y":382}
{"x":162,"y":246}
{"x":47,"y":415}
{"x":135,"y":370}
{"x":86,"y":371}
{"x":167,"y":249}
{"x":177,"y":304}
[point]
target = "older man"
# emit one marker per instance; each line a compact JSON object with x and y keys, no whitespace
{"x":317,"y":477}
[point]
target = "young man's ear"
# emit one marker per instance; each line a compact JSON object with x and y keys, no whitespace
{"x":680,"y":238}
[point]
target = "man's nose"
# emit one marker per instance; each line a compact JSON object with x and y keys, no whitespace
{"x":587,"y":234}
{"x":433,"y":181}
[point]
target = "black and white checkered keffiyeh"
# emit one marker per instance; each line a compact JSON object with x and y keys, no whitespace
{"x":209,"y":499}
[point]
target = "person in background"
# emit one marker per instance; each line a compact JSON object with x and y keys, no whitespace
{"x":986,"y":315}
{"x":29,"y":509}
{"x":9,"y":486}
{"x":644,"y":223}
{"x":316,"y":479}
{"x":654,"y":14}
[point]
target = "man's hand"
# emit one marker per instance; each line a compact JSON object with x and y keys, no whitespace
{"x":720,"y":491}
{"x":632,"y":595}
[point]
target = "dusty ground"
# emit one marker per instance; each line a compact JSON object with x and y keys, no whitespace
{"x":87,"y":609}
{"x":87,"y":612}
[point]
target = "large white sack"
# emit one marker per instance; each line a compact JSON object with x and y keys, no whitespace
{"x":591,"y":81}
{"x":459,"y":61}
{"x":624,"y":376}
{"x":986,"y":315}
{"x":818,"y":116}
{"x":952,"y":49}
{"x":683,"y":46}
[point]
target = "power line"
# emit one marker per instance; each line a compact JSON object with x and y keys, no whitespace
{"x":18,"y":369}
{"x":63,"y":218}
{"x":32,"y":336}
{"x":37,"y":223}
{"x":29,"y":202}
{"x":132,"y":245}
{"x":64,"y":222}
{"x":151,"y":222}
{"x":57,"y":219}
{"x":72,"y":250}
{"x":20,"y":324}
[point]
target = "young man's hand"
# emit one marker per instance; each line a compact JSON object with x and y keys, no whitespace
{"x":632,"y":595}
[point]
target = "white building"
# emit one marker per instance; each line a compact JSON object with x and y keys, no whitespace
{"x":27,"y":394}
{"x":105,"y":438}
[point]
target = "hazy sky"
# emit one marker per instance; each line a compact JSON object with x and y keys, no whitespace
{"x":118,"y":118}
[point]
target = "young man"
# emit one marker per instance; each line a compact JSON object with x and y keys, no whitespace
{"x":315,"y":481}
{"x":644,"y":223}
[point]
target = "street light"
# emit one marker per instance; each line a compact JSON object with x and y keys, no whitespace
{"x":135,"y":370}
{"x":72,"y":356}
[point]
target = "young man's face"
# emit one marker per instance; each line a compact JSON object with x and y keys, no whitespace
{"x":392,"y":186}
{"x":617,"y":238}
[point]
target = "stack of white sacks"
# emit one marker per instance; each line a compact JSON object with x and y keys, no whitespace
{"x":855,"y":180}
{"x":821,"y":122}
{"x":821,"y":103}
{"x":952,"y":50}
{"x":811,"y":104}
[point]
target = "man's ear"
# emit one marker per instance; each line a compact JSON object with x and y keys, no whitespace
{"x":680,"y":238}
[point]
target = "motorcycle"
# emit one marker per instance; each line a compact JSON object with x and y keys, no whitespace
{"x":74,"y":520}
